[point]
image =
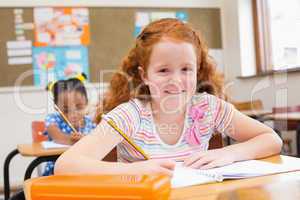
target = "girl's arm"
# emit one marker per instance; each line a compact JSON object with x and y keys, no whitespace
{"x":85,"y":157}
{"x":58,"y":136}
{"x":256,"y":140}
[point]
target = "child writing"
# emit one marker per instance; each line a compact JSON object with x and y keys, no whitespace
{"x":166,"y":100}
{"x":70,"y":97}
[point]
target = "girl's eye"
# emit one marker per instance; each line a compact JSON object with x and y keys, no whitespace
{"x":80,"y":106}
{"x":66,"y":111}
{"x":164,"y":70}
{"x":186,"y":69}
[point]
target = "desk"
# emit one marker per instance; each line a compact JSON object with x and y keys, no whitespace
{"x":256,"y":113}
{"x":274,"y":191}
{"x":37,"y":150}
{"x":29,"y":150}
{"x":215,"y":190}
{"x":41,"y":155}
{"x":291,"y":116}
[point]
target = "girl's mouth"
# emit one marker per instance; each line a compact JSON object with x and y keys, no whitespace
{"x":174,"y":92}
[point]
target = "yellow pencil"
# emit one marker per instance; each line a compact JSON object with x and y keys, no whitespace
{"x":114,"y":126}
{"x":65,"y":118}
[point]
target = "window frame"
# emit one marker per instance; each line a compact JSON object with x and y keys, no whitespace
{"x":262,"y":38}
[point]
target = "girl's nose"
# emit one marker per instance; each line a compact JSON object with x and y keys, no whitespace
{"x":176,"y":78}
{"x":74,"y":115}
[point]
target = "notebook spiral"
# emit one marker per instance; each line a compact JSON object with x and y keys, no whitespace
{"x":217,"y":177}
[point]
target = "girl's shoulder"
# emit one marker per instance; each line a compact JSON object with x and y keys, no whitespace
{"x":203,"y":98}
{"x":54,"y":117}
{"x":133,"y":105}
{"x":130,"y":110}
{"x":210,"y":101}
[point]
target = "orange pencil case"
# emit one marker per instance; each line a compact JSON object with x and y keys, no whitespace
{"x":88,"y":187}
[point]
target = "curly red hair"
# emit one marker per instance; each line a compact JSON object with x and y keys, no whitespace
{"x":127,"y":83}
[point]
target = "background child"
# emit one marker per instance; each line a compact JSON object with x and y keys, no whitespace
{"x":70,"y":96}
{"x":165,"y":100}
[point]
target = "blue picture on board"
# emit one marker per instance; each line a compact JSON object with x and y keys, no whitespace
{"x":142,"y":19}
{"x":56,"y":63}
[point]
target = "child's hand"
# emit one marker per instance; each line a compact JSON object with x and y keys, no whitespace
{"x":75,"y":136}
{"x":154,"y":167}
{"x":210,"y":159}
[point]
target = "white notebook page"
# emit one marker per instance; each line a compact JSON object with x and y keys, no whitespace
{"x":184,"y":176}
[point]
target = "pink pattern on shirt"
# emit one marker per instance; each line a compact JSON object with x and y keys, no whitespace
{"x":191,"y":135}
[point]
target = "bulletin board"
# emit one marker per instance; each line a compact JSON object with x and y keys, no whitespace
{"x":111,"y":37}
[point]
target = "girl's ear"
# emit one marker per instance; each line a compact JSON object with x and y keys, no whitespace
{"x":142,"y":74}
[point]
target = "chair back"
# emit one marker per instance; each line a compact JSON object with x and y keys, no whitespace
{"x":38,"y":128}
{"x":216,"y":141}
{"x":249,"y":105}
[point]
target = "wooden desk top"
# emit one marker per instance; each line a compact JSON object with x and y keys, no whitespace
{"x":273,"y":191}
{"x":36,"y":150}
{"x":212,"y":191}
{"x":245,"y":188}
{"x":285,"y":116}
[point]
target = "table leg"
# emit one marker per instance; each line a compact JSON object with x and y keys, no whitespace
{"x":298,"y":140}
{"x":6,"y":173}
{"x":36,"y":162}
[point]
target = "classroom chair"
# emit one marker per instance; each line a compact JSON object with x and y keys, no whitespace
{"x":249,"y":105}
{"x":216,"y":141}
{"x":38,"y":128}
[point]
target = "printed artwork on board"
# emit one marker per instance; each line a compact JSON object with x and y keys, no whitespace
{"x":61,"y":26}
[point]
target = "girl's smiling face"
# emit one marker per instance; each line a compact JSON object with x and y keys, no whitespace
{"x":171,"y":74}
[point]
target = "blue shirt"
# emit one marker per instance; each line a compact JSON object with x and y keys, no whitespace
{"x":56,"y":119}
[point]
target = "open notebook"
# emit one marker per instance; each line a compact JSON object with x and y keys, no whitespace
{"x":53,"y":145}
{"x":184,"y":176}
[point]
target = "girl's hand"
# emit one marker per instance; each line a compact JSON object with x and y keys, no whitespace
{"x":154,"y":167}
{"x":75,"y":136}
{"x":210,"y":159}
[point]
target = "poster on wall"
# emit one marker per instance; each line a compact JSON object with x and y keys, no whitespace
{"x":61,"y":26}
{"x":142,"y":19}
{"x":51,"y":64}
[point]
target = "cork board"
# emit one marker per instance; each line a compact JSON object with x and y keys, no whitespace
{"x":112,"y":35}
